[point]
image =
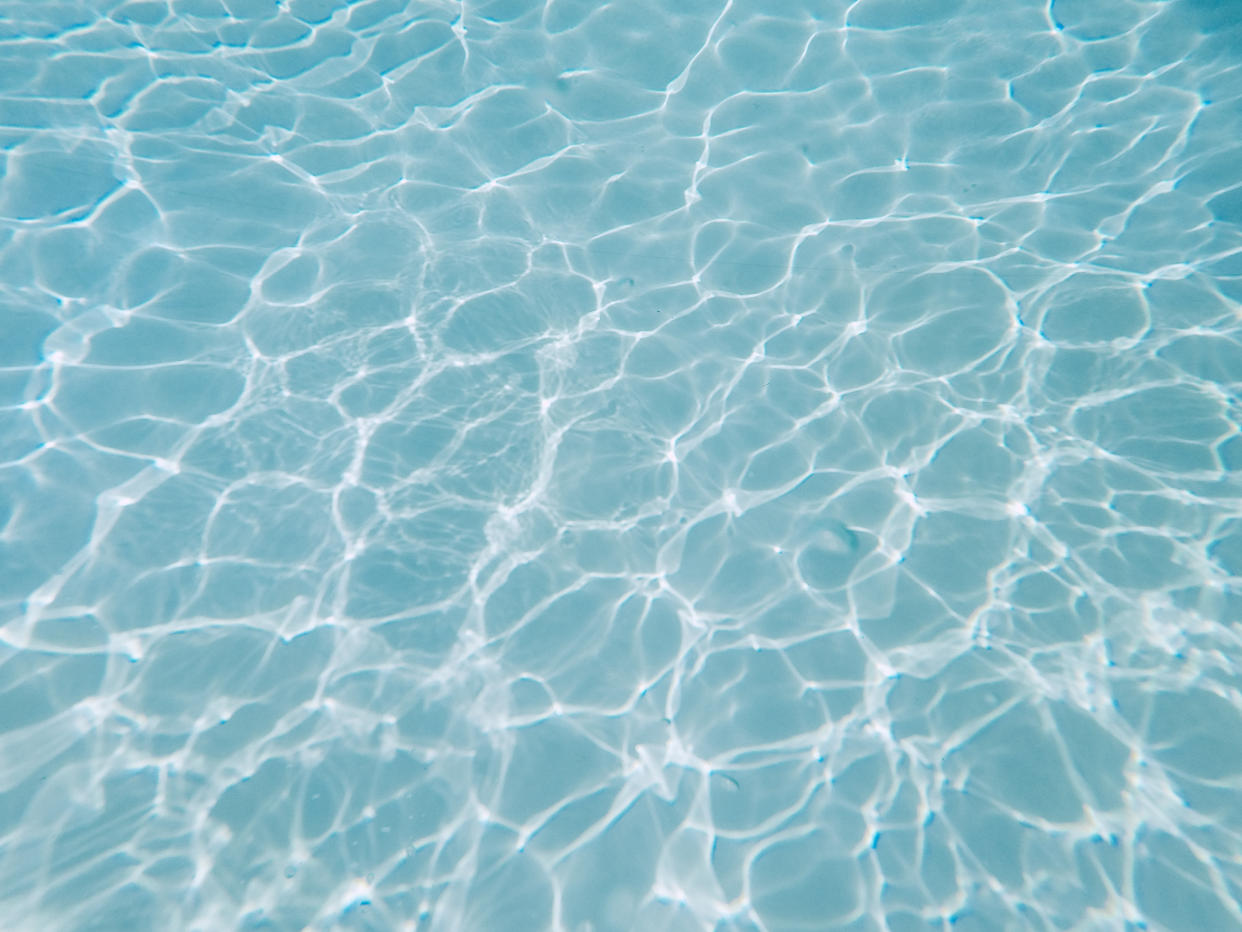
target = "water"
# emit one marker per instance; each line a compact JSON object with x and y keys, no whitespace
{"x":599,"y":466}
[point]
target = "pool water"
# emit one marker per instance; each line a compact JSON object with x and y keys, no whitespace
{"x":575,"y":465}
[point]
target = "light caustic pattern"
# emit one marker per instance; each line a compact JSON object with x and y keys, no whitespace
{"x":595,"y":466}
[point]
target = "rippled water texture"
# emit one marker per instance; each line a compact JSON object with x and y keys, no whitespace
{"x":588,"y":466}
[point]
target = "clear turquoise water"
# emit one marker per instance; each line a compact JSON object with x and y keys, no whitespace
{"x":595,"y":466}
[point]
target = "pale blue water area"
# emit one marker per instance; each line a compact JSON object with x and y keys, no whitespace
{"x":598,"y":465}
